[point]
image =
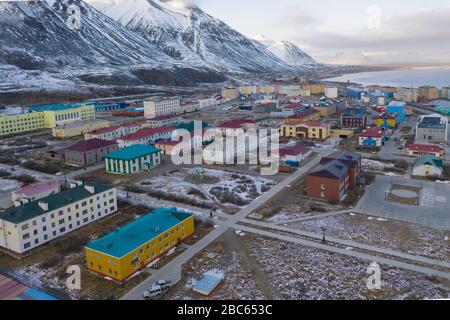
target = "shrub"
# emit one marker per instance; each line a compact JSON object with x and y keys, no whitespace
{"x":25,"y":178}
{"x":4,"y":173}
{"x":41,"y":167}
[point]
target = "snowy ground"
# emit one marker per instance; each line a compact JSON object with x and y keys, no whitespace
{"x":7,"y":185}
{"x":214,"y":186}
{"x":383,"y":233}
{"x":374,"y":165}
{"x":299,"y":272}
{"x":238,"y":282}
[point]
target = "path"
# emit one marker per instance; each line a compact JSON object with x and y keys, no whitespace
{"x":172,"y":270}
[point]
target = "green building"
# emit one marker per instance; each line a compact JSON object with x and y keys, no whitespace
{"x":134,"y":159}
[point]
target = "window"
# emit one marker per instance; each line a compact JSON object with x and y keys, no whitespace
{"x":25,"y":226}
{"x":26,"y":245}
{"x":26,"y":236}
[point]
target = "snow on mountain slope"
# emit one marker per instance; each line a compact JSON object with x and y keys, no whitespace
{"x":288,"y":52}
{"x":34,"y":37}
{"x":188,"y":34}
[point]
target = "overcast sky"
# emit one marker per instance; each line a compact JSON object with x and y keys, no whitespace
{"x":346,"y":31}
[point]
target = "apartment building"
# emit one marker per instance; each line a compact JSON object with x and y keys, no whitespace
{"x":419,"y":150}
{"x":428,"y":93}
{"x":230,"y":93}
{"x":331,"y":92}
{"x":45,"y":117}
{"x":310,"y":130}
{"x":35,"y":223}
{"x":407,"y":94}
{"x":88,"y":152}
{"x":114,"y":132}
{"x":157,"y":106}
{"x":78,"y":128}
{"x":334,"y":176}
{"x":132,"y":247}
{"x":171,"y":120}
{"x":432,"y":128}
{"x":146,"y":136}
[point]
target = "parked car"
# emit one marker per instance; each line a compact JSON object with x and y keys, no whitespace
{"x":164,"y":284}
{"x":153,"y":291}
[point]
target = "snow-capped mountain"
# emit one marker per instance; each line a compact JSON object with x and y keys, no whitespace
{"x":188,"y":34}
{"x":35,"y":37}
{"x":288,"y":52}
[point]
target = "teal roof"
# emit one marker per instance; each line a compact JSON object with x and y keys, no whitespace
{"x":58,"y":107}
{"x":189,"y":126}
{"x":429,"y":160}
{"x":137,"y":233}
{"x":55,"y":201}
{"x":132,"y":152}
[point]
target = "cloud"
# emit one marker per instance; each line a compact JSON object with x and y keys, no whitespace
{"x":416,"y":37}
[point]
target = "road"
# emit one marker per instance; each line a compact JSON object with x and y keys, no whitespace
{"x":172,"y":270}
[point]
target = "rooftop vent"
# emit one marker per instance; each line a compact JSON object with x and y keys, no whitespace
{"x":89,"y":189}
{"x":43,"y":205}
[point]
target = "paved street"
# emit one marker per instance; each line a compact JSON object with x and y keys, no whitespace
{"x":433,"y":209}
{"x":172,"y":270}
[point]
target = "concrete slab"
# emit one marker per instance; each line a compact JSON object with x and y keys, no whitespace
{"x":433,"y":209}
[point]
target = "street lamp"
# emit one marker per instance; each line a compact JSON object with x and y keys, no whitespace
{"x":324,"y":230}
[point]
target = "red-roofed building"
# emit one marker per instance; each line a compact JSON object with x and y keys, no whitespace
{"x":114,"y":132}
{"x":232,"y":127}
{"x":87,"y":152}
{"x":28,"y":193}
{"x":146,"y":136}
{"x":419,"y":150}
{"x":293,"y":155}
{"x":373,"y":137}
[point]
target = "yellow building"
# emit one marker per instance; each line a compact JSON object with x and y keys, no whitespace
{"x":267,"y":89}
{"x":342,"y":133}
{"x":315,"y":88}
{"x":129,"y":249}
{"x":326,"y":111}
{"x":305,"y":115}
{"x":45,"y":117}
{"x":386,"y":121}
{"x":311,"y":130}
{"x":230,"y":93}
{"x":10,"y":124}
{"x":79,"y":128}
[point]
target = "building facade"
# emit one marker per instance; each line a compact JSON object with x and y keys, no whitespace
{"x":334,"y":176}
{"x":88,"y":152}
{"x":45,"y":117}
{"x":428,"y":166}
{"x":373,"y":137}
{"x":164,"y":121}
{"x":407,"y":94}
{"x":34,"y":192}
{"x":114,"y":132}
{"x":35,"y":223}
{"x":354,"y":117}
{"x":230,"y":93}
{"x":134,"y":159}
{"x":428,"y":93}
{"x":131,"y":248}
{"x":331,"y":92}
{"x":432,"y":128}
{"x":156,"y":107}
{"x":146,"y":136}
{"x":419,"y":150}
{"x":78,"y":128}
{"x":309,"y":130}
{"x":399,"y":109}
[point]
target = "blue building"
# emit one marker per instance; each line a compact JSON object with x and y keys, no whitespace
{"x":398,"y":108}
{"x":109,"y":107}
{"x":355,"y":92}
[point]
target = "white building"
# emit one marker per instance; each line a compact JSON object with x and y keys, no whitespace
{"x":30,"y":225}
{"x":407,"y":94}
{"x":33,"y":192}
{"x":209,"y":103}
{"x":156,"y":107}
{"x":164,"y":121}
{"x":146,"y":136}
{"x":331,"y":92}
{"x":114,"y":132}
